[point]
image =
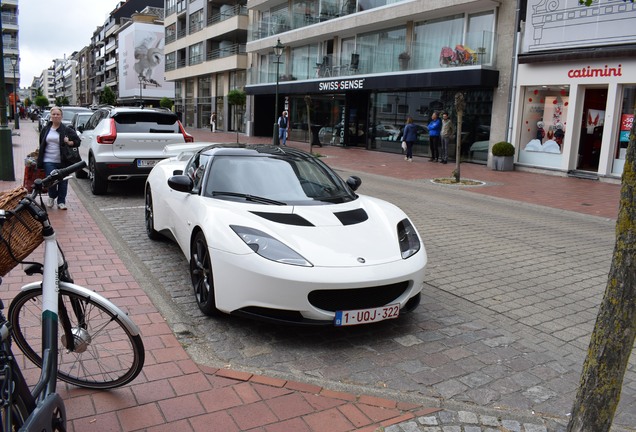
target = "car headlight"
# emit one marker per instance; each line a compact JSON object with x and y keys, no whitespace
{"x":268,"y":247}
{"x":408,"y":238}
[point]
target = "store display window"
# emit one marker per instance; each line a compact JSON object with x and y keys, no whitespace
{"x":626,"y":121}
{"x":544,"y":124}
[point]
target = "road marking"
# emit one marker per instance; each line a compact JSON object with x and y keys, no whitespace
{"x":121,"y":208}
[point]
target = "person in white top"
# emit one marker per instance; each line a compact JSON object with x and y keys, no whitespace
{"x":51,"y":155}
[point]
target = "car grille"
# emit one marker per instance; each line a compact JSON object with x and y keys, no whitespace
{"x":359,"y":298}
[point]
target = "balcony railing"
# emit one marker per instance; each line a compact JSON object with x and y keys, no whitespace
{"x":225,"y":51}
{"x":281,"y":23}
{"x":227,"y":14}
{"x":9,"y":18}
{"x":372,"y":59}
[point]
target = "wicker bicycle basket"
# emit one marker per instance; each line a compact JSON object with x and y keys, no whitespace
{"x":19,"y":235}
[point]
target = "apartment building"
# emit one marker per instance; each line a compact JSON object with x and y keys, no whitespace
{"x":352,"y":71}
{"x":44,"y":82}
{"x":577,"y":79}
{"x":11,"y":51}
{"x":206,"y":58}
{"x":104,"y":68}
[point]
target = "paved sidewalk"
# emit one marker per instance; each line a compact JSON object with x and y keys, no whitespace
{"x":174,"y":393}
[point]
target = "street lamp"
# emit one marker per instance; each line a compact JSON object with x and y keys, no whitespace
{"x":14,"y":62}
{"x":141,"y":97}
{"x":278,"y":51}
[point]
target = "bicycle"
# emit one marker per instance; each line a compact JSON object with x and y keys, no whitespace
{"x":85,"y":340}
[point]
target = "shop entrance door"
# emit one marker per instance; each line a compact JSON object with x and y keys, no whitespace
{"x":357,"y":106}
{"x":591,"y":140}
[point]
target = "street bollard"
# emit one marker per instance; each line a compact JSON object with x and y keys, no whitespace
{"x":6,"y":155}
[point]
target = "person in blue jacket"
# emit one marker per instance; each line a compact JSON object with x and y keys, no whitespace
{"x":410,"y":136}
{"x":434,"y":130}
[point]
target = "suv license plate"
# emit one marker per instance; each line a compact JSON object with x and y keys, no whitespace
{"x":147,"y":163}
{"x":364,"y":316}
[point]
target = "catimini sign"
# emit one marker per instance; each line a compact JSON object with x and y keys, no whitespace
{"x":350,"y":84}
{"x":590,"y":72}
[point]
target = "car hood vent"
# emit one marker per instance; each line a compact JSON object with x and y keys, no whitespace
{"x":352,"y":217}
{"x":284,"y":218}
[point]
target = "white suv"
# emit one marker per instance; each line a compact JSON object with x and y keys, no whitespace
{"x":126,"y":142}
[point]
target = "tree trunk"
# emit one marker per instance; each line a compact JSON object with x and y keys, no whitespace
{"x":613,"y":336}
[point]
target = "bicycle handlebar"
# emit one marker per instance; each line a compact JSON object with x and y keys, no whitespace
{"x":57,"y":175}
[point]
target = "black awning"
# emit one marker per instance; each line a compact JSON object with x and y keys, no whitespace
{"x":452,"y":77}
{"x":616,"y":51}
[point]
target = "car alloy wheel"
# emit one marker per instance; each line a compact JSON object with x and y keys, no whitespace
{"x":201,"y":275}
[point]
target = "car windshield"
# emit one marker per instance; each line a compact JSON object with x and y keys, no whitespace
{"x":288,"y":180}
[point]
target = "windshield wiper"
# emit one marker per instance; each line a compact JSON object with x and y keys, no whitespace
{"x":248,"y":197}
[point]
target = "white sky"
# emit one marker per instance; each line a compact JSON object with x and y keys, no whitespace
{"x":51,"y":29}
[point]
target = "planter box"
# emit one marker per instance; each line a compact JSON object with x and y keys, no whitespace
{"x":503,"y":163}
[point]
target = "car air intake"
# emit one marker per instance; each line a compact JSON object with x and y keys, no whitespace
{"x":284,"y":218}
{"x":352,"y":217}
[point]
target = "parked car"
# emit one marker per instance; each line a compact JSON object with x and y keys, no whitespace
{"x":127,"y":142}
{"x":69,"y":111}
{"x":44,"y":119}
{"x":79,"y":120}
{"x":276,"y":234}
{"x":387,"y":131}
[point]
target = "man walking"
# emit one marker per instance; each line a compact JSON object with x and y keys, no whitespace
{"x":283,"y":126}
{"x":434,"y":129}
{"x":448,"y":131}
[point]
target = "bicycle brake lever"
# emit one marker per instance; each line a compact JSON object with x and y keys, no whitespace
{"x":35,"y":268}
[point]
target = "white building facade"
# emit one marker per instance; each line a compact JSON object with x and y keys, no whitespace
{"x":576,"y":73}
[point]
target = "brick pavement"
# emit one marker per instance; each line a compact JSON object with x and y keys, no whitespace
{"x":174,"y":392}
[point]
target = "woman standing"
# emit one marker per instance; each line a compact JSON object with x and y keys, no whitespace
{"x":53,"y":137}
{"x":410,"y":136}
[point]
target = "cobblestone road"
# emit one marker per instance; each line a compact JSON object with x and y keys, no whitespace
{"x":511,"y":298}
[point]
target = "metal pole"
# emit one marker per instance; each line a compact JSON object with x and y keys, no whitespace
{"x":141,"y":97}
{"x":16,"y":117}
{"x":6,"y":146}
{"x":278,"y":51}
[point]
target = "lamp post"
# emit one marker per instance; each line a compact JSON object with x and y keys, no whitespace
{"x":141,"y":97}
{"x":14,"y":62}
{"x":6,"y":147}
{"x":278,"y":51}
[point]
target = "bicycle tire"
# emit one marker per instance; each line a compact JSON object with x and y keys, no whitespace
{"x":19,"y":413}
{"x":107,"y":354}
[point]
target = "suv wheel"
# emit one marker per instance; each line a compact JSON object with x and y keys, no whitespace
{"x":99,"y":184}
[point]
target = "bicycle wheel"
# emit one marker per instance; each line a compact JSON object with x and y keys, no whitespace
{"x":106,"y":354}
{"x":19,"y":414}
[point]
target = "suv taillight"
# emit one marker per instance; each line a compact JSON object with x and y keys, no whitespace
{"x":111,"y":136}
{"x":186,"y":136}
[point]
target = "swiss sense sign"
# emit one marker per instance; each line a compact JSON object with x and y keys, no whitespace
{"x":593,"y":72}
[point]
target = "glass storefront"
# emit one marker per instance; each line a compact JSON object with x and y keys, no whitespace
{"x":626,"y":121}
{"x":375,"y":120}
{"x":543,"y":124}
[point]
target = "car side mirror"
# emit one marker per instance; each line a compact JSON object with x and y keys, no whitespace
{"x":80,"y":128}
{"x":354,"y":182}
{"x":181,"y":183}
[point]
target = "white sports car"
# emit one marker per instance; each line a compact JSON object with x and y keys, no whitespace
{"x":274,"y":233}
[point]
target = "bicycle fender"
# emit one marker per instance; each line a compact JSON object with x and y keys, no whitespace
{"x":49,"y":412}
{"x":103,"y":301}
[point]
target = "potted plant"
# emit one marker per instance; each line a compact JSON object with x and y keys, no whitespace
{"x":403,"y":60}
{"x":503,"y":156}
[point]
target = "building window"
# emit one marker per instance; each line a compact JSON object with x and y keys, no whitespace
{"x":543,"y":124}
{"x":379,"y":51}
{"x":626,"y":121}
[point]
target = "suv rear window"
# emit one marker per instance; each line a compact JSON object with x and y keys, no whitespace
{"x":146,"y":122}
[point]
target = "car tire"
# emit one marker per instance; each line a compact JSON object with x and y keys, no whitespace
{"x":81,"y":174}
{"x":149,"y":218}
{"x":99,"y":184}
{"x":201,"y":275}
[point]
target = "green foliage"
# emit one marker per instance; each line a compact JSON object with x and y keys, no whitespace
{"x":61,"y":101}
{"x":166,"y":103}
{"x":236,"y":97}
{"x":28,"y":102}
{"x":107,"y":97}
{"x":503,"y":148}
{"x":41,"y":101}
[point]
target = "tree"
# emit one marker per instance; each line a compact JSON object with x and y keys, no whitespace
{"x":237,"y":98}
{"x":614,"y":333}
{"x":61,"y":101}
{"x":107,"y":97}
{"x":166,"y":103}
{"x":41,"y":101}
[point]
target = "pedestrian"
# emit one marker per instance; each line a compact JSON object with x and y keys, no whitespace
{"x":448,"y":132}
{"x":52,"y":137}
{"x":434,"y":130}
{"x":409,"y":135}
{"x":213,"y":121}
{"x":283,"y":127}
